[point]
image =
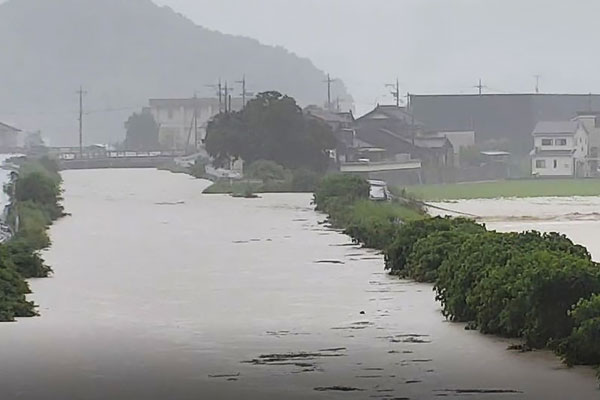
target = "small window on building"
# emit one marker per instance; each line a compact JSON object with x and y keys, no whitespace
{"x":562,"y":142}
{"x":170,"y":113}
{"x":540,"y":163}
{"x":567,"y":165}
{"x":597,"y":122}
{"x":546,"y":142}
{"x":555,"y":163}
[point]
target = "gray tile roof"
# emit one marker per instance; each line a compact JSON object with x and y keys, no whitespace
{"x":555,"y":127}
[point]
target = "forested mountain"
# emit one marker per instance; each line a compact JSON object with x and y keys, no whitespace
{"x":124,"y":52}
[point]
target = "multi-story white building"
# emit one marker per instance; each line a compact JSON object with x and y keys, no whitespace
{"x":175,"y":118}
{"x":560,"y":149}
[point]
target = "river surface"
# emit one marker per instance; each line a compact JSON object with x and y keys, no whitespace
{"x":161,"y":292}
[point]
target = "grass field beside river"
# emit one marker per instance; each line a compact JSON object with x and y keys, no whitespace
{"x":508,"y":188}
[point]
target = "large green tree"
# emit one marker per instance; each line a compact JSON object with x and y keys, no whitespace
{"x":142,"y":132}
{"x":271,"y":127}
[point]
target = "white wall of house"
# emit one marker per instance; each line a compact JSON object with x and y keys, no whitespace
{"x":544,"y":163}
{"x":175,"y":123}
{"x":553,"y":166}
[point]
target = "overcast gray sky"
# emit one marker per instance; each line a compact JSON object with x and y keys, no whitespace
{"x":433,"y":46}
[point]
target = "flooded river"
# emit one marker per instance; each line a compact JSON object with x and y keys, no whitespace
{"x":161,"y":292}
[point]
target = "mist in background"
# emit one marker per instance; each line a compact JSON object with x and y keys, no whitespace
{"x":433,"y":46}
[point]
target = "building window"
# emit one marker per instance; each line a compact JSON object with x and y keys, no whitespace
{"x":170,"y":113}
{"x":555,"y":163}
{"x":540,"y":163}
{"x":562,"y":142}
{"x":546,"y":142}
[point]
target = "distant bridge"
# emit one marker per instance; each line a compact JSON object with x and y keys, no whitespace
{"x":99,"y":158}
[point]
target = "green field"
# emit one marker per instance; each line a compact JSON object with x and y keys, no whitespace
{"x":509,"y":188}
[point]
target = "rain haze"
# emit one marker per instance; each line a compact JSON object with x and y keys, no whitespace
{"x":432,"y":46}
{"x":299,"y":199}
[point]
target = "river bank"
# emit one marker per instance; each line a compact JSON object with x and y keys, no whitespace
{"x":546,"y":292}
{"x":506,"y":189}
{"x":173,"y":294}
{"x":33,"y":204}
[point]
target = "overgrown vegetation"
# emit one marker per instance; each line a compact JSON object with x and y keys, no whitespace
{"x":504,"y":189}
{"x":264,"y":176}
{"x":35,"y":196}
{"x":375,"y":224}
{"x":542,"y":288}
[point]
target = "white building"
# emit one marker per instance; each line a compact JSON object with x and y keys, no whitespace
{"x":560,"y":149}
{"x":175,"y":118}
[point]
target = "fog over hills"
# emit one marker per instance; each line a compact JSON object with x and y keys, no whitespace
{"x":124,"y":52}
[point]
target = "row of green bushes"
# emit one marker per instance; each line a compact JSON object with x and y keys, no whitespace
{"x":539,"y":287}
{"x":345,"y":198}
{"x":35,"y":195}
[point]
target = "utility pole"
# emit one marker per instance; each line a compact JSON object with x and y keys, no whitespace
{"x":537,"y":83}
{"x":220,"y":89}
{"x":244,"y":92}
{"x":396,"y":91}
{"x":329,"y":81}
{"x":480,"y":86}
{"x":226,"y":97}
{"x":81,"y":93}
{"x":195,"y":121}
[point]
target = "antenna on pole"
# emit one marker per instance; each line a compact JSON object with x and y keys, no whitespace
{"x":480,"y":86}
{"x":396,"y":91}
{"x":537,"y":83}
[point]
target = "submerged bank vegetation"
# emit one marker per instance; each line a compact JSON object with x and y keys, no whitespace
{"x":541,"y":288}
{"x":35,"y":195}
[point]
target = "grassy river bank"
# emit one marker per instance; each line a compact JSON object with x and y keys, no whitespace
{"x":541,"y":288}
{"x":35,"y":194}
{"x":507,"y":188}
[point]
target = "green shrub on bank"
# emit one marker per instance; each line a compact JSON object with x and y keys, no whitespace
{"x":410,"y":233}
{"x":13,"y":289}
{"x":35,"y":196}
{"x":429,"y":252}
{"x":339,"y":190}
{"x":526,"y":285}
{"x":464,"y":268}
{"x":583,"y":344}
{"x":375,"y":224}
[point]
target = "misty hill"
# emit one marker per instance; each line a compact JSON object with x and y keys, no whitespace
{"x":124,"y":52}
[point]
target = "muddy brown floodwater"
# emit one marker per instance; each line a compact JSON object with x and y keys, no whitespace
{"x":161,"y":292}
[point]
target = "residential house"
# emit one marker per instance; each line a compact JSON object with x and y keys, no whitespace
{"x":181,"y":121}
{"x":507,"y":118}
{"x":591,"y":122}
{"x":460,"y":140}
{"x":9,"y":136}
{"x":560,"y":149}
{"x":396,"y":130}
{"x":342,"y":125}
